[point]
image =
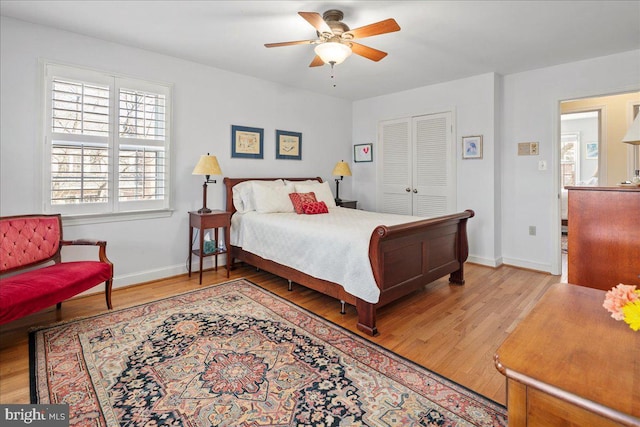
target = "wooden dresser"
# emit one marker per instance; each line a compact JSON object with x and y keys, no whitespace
{"x":604,"y":236}
{"x":568,"y":363}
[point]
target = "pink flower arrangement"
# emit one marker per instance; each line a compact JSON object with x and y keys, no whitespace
{"x":623,"y":303}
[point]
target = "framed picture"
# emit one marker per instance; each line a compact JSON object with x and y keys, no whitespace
{"x":247,"y":142}
{"x":288,"y":145}
{"x":592,"y":150}
{"x":363,"y":153}
{"x":472,"y":147}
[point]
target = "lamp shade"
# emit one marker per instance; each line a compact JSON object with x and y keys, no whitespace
{"x":207,"y":165}
{"x":332,"y":52}
{"x":633,"y":134}
{"x":342,"y":169}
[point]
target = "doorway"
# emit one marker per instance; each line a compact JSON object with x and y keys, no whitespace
{"x":579,"y":153}
{"x":590,"y":150}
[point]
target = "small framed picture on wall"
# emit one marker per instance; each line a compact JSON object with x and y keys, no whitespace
{"x":288,"y":145}
{"x":472,"y":147}
{"x":363,"y":153}
{"x":246,"y":142}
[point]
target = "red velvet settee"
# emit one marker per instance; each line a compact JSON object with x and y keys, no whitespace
{"x":27,"y":241}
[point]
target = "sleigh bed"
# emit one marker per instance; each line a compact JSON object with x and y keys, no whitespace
{"x":403,"y":257}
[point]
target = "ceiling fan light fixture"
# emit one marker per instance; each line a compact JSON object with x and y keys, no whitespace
{"x":333,"y":52}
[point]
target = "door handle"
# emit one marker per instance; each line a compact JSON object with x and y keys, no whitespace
{"x":407,"y":189}
{"x":415,"y":190}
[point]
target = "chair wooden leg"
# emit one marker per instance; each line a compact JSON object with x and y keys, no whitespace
{"x":107,"y":293}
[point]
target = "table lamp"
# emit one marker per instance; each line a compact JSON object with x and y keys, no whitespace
{"x":207,"y":166}
{"x":341,"y":170}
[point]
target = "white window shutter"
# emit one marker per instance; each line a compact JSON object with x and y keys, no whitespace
{"x":107,"y":141}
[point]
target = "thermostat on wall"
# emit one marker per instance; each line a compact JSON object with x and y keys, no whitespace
{"x":528,"y":149}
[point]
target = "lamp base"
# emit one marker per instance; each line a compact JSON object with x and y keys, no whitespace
{"x":204,"y":211}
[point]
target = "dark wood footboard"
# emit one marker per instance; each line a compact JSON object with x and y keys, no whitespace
{"x":403,"y":257}
{"x":406,"y":257}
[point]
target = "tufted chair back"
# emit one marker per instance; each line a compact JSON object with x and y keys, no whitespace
{"x":29,"y":240}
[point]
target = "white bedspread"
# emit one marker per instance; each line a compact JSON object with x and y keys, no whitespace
{"x":333,"y":246}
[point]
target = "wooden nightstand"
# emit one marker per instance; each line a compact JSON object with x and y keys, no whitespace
{"x":204,"y":221}
{"x":351,"y":204}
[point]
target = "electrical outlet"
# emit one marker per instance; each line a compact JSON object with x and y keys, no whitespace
{"x":532,"y":230}
{"x":542,"y":165}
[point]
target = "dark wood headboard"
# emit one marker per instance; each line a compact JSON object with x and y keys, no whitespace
{"x":229,"y":183}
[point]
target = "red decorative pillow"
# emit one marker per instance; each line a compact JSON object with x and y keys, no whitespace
{"x":315,"y":208}
{"x":299,"y":199}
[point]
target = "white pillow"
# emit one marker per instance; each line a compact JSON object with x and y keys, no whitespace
{"x":294,"y":183}
{"x":270,"y":199}
{"x":322,"y":190}
{"x":243,"y":194}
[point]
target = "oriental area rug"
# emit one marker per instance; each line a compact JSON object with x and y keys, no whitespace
{"x":237,"y":355}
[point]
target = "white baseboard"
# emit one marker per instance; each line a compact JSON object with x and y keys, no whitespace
{"x":485,"y":261}
{"x":149,"y":275}
{"x":122,"y":281}
{"x":175,"y":270}
{"x":546,"y":268}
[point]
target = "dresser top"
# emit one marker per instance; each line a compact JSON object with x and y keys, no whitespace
{"x":594,"y":188}
{"x":570,"y":346}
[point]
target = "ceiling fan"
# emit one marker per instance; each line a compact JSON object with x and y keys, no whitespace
{"x":335,"y":42}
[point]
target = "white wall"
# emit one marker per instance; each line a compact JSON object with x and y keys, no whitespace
{"x":473,"y":101}
{"x":532,"y":113}
{"x":507,"y":191}
{"x":207,"y":101}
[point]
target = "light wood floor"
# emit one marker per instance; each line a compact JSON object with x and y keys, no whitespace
{"x":452,"y":330}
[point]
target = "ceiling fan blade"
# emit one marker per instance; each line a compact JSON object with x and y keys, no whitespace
{"x":387,"y":26}
{"x":317,"y":61}
{"x":367,"y":52}
{"x":289,"y":43}
{"x":316,"y":20}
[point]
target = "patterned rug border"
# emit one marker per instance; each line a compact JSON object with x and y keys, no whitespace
{"x":34,"y":330}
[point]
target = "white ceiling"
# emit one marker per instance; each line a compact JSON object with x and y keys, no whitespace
{"x":439,"y":40}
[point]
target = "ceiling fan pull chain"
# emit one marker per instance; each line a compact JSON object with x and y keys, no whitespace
{"x":333,"y":77}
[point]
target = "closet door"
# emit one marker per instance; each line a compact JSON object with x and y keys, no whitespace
{"x":434,"y":178}
{"x":416,"y":167}
{"x":394,"y":167}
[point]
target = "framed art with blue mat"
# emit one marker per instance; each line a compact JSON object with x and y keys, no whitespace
{"x":247,"y":142}
{"x":288,"y":145}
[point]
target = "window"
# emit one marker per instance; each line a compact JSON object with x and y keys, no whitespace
{"x":569,"y":155}
{"x":107,"y":142}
